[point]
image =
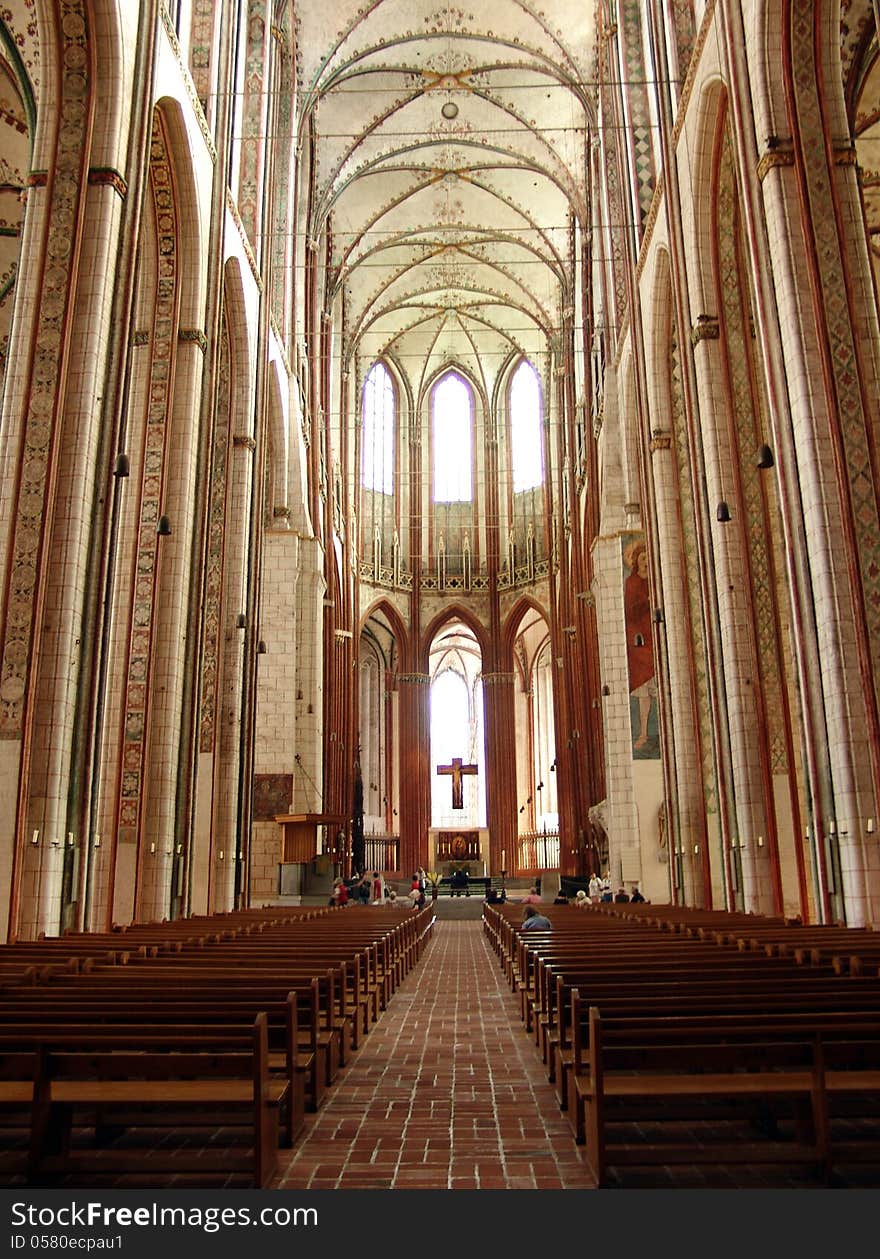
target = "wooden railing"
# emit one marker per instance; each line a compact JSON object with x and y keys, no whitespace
{"x":383,"y":852}
{"x":538,"y":850}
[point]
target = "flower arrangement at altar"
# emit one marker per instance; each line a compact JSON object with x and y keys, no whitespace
{"x":433,"y":877}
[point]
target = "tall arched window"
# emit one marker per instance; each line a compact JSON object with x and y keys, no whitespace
{"x":451,"y":401}
{"x":378,"y":431}
{"x":526,"y":448}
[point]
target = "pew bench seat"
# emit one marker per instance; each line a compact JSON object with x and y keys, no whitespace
{"x":108,"y":1089}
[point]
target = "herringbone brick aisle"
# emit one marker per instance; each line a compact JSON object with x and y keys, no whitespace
{"x":447,"y":1091}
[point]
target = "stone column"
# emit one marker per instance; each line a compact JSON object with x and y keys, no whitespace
{"x":161,"y":824}
{"x":415,"y":815}
{"x":673,"y":654}
{"x":732,"y":591}
{"x":500,"y":719}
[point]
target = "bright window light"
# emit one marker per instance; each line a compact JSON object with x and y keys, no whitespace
{"x":378,"y":431}
{"x":452,"y":441}
{"x":526,"y":447}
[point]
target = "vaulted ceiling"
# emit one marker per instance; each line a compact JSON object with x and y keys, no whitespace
{"x":452,"y":151}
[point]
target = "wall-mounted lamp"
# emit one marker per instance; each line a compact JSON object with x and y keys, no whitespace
{"x":261,"y":648}
{"x":658,"y":616}
{"x":696,"y":850}
{"x":760,"y":841}
{"x":121,"y":466}
{"x":97,"y":843}
{"x":35,"y":838}
{"x":152,"y":848}
{"x":722,"y":512}
{"x":163,"y":528}
{"x":869,"y":826}
{"x":56,"y":843}
{"x":832,"y":827}
{"x":70,"y":839}
{"x":241,"y":621}
{"x":765,"y":457}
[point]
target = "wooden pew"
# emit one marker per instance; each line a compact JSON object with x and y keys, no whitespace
{"x":293,"y":1022}
{"x":97,"y":1081}
{"x":784,"y":1071}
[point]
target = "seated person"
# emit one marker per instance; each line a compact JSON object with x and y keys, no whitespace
{"x":459,"y":883}
{"x":533,"y":921}
{"x":532,"y":897}
{"x":560,"y":898}
{"x":496,"y":896}
{"x":621,"y":896}
{"x":636,"y":896}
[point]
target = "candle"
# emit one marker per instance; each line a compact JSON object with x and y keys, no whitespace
{"x":503,"y":851}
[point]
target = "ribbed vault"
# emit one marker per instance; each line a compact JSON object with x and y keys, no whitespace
{"x":450,"y":161}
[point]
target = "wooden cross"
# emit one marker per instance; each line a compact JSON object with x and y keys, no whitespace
{"x":456,"y":769}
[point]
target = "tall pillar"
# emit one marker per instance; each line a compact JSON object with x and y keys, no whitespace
{"x":500,"y":718}
{"x":689,"y":828}
{"x":415,"y":814}
{"x":738,"y":662}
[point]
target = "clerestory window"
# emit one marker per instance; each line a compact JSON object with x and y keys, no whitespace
{"x":526,"y":447}
{"x":453,"y":441}
{"x":378,"y":431}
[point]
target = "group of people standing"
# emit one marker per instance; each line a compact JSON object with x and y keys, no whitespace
{"x":600,"y":890}
{"x":370,"y":888}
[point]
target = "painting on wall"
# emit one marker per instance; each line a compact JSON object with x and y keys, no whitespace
{"x":640,"y":649}
{"x":272,"y":795}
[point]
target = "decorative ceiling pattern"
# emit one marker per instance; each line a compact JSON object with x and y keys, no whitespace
{"x":451,"y":161}
{"x":867,"y":139}
{"x":20,"y":19}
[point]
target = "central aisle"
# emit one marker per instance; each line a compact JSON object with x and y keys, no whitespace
{"x":446,"y":1092}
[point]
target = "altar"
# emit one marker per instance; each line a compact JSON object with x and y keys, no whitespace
{"x":459,"y":849}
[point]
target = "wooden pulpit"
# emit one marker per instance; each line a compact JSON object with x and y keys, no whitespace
{"x":300,"y":833}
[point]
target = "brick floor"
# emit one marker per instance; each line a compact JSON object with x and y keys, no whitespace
{"x":447,"y":1091}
